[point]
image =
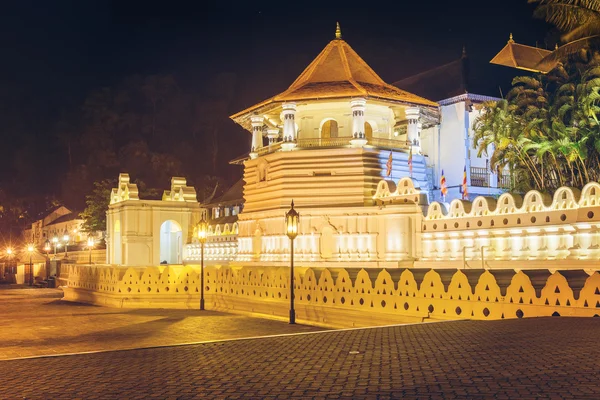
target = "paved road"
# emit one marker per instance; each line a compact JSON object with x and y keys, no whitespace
{"x":509,"y":359}
{"x":36,"y":322}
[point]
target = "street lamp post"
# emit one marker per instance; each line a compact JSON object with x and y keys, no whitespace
{"x":90,"y":243}
{"x":202,"y":234}
{"x":66,"y":240}
{"x":47,"y":250}
{"x":55,"y":241}
{"x":9,"y":254}
{"x":30,"y":249}
{"x":292,"y":218}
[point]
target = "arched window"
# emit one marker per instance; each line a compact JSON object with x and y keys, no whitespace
{"x":368,"y":131}
{"x":329,"y":129}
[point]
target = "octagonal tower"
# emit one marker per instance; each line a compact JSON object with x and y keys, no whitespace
{"x":326,"y":142}
{"x":327,"y":139}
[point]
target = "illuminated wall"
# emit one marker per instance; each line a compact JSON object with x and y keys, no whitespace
{"x":345,"y":297}
{"x":133,"y":226}
{"x":535,"y":227}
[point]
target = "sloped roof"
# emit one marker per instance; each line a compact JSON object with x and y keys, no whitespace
{"x":440,"y":83}
{"x":338,"y":72}
{"x":234,"y":195}
{"x":523,"y":57}
{"x":66,"y":218}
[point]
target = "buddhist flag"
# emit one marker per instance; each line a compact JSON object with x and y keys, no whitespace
{"x":465,"y":192}
{"x":388,"y":164}
{"x":443,"y":187}
{"x":410,"y":161}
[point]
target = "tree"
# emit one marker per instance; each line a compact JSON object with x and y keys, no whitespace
{"x":546,"y":131}
{"x":577,"y":20}
{"x":94,"y":215}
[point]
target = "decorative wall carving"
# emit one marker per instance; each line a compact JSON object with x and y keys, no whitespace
{"x":401,"y":293}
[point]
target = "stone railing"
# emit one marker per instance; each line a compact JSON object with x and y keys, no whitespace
{"x":314,"y":143}
{"x":345,"y":297}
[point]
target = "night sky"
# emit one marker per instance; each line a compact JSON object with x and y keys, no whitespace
{"x":55,"y":52}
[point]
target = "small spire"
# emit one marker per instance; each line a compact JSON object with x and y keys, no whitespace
{"x":338,"y":31}
{"x":464,"y":51}
{"x":556,"y":46}
{"x":510,"y":38}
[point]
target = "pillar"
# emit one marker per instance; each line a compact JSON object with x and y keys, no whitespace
{"x":289,"y":126}
{"x":358,"y":107}
{"x":257,"y":124}
{"x":412,"y":115}
{"x":273,"y":135}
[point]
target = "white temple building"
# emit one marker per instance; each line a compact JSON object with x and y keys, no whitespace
{"x":362,"y":160}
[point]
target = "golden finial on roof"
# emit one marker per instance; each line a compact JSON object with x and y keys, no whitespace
{"x":556,"y":46}
{"x":338,"y":31}
{"x":510,"y":38}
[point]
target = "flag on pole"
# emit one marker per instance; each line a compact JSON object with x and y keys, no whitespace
{"x":465,"y":192}
{"x":388,"y":164}
{"x":443,"y":187}
{"x":410,"y":162}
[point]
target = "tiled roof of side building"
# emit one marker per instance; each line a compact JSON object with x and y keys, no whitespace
{"x":439,"y":83}
{"x":233,"y":195}
{"x":477,"y":79}
{"x":65,"y":218}
{"x":523,"y":57}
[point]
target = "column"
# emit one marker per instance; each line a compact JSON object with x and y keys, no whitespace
{"x":257,"y":124}
{"x":358,"y":107}
{"x":273,"y":135}
{"x":412,"y":130}
{"x":289,"y":126}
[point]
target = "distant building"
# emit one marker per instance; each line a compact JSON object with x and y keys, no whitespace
{"x":57,"y":223}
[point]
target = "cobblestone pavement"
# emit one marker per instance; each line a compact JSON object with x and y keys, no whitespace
{"x":36,"y":322}
{"x":508,"y":359}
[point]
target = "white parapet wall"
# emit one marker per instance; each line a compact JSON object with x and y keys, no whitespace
{"x":344,"y":297}
{"x":535,"y":227}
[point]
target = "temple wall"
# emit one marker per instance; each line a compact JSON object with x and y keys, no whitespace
{"x":535,"y":227}
{"x":344,"y":297}
{"x":341,"y":235}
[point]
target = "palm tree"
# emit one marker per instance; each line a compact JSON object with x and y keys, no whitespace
{"x":547,"y":130}
{"x":578,"y":19}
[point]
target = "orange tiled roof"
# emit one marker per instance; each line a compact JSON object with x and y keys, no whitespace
{"x":523,"y":57}
{"x":337,"y":72}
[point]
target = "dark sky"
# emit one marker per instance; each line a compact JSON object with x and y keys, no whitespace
{"x":55,"y":52}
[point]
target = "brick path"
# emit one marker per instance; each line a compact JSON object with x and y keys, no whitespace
{"x":509,"y":359}
{"x":36,"y":322}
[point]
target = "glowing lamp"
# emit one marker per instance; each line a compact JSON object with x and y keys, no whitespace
{"x":9,"y":251}
{"x":30,"y":248}
{"x":55,"y":239}
{"x":202,"y":231}
{"x":292,"y":218}
{"x":47,"y":246}
{"x":66,"y":238}
{"x":90,"y":245}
